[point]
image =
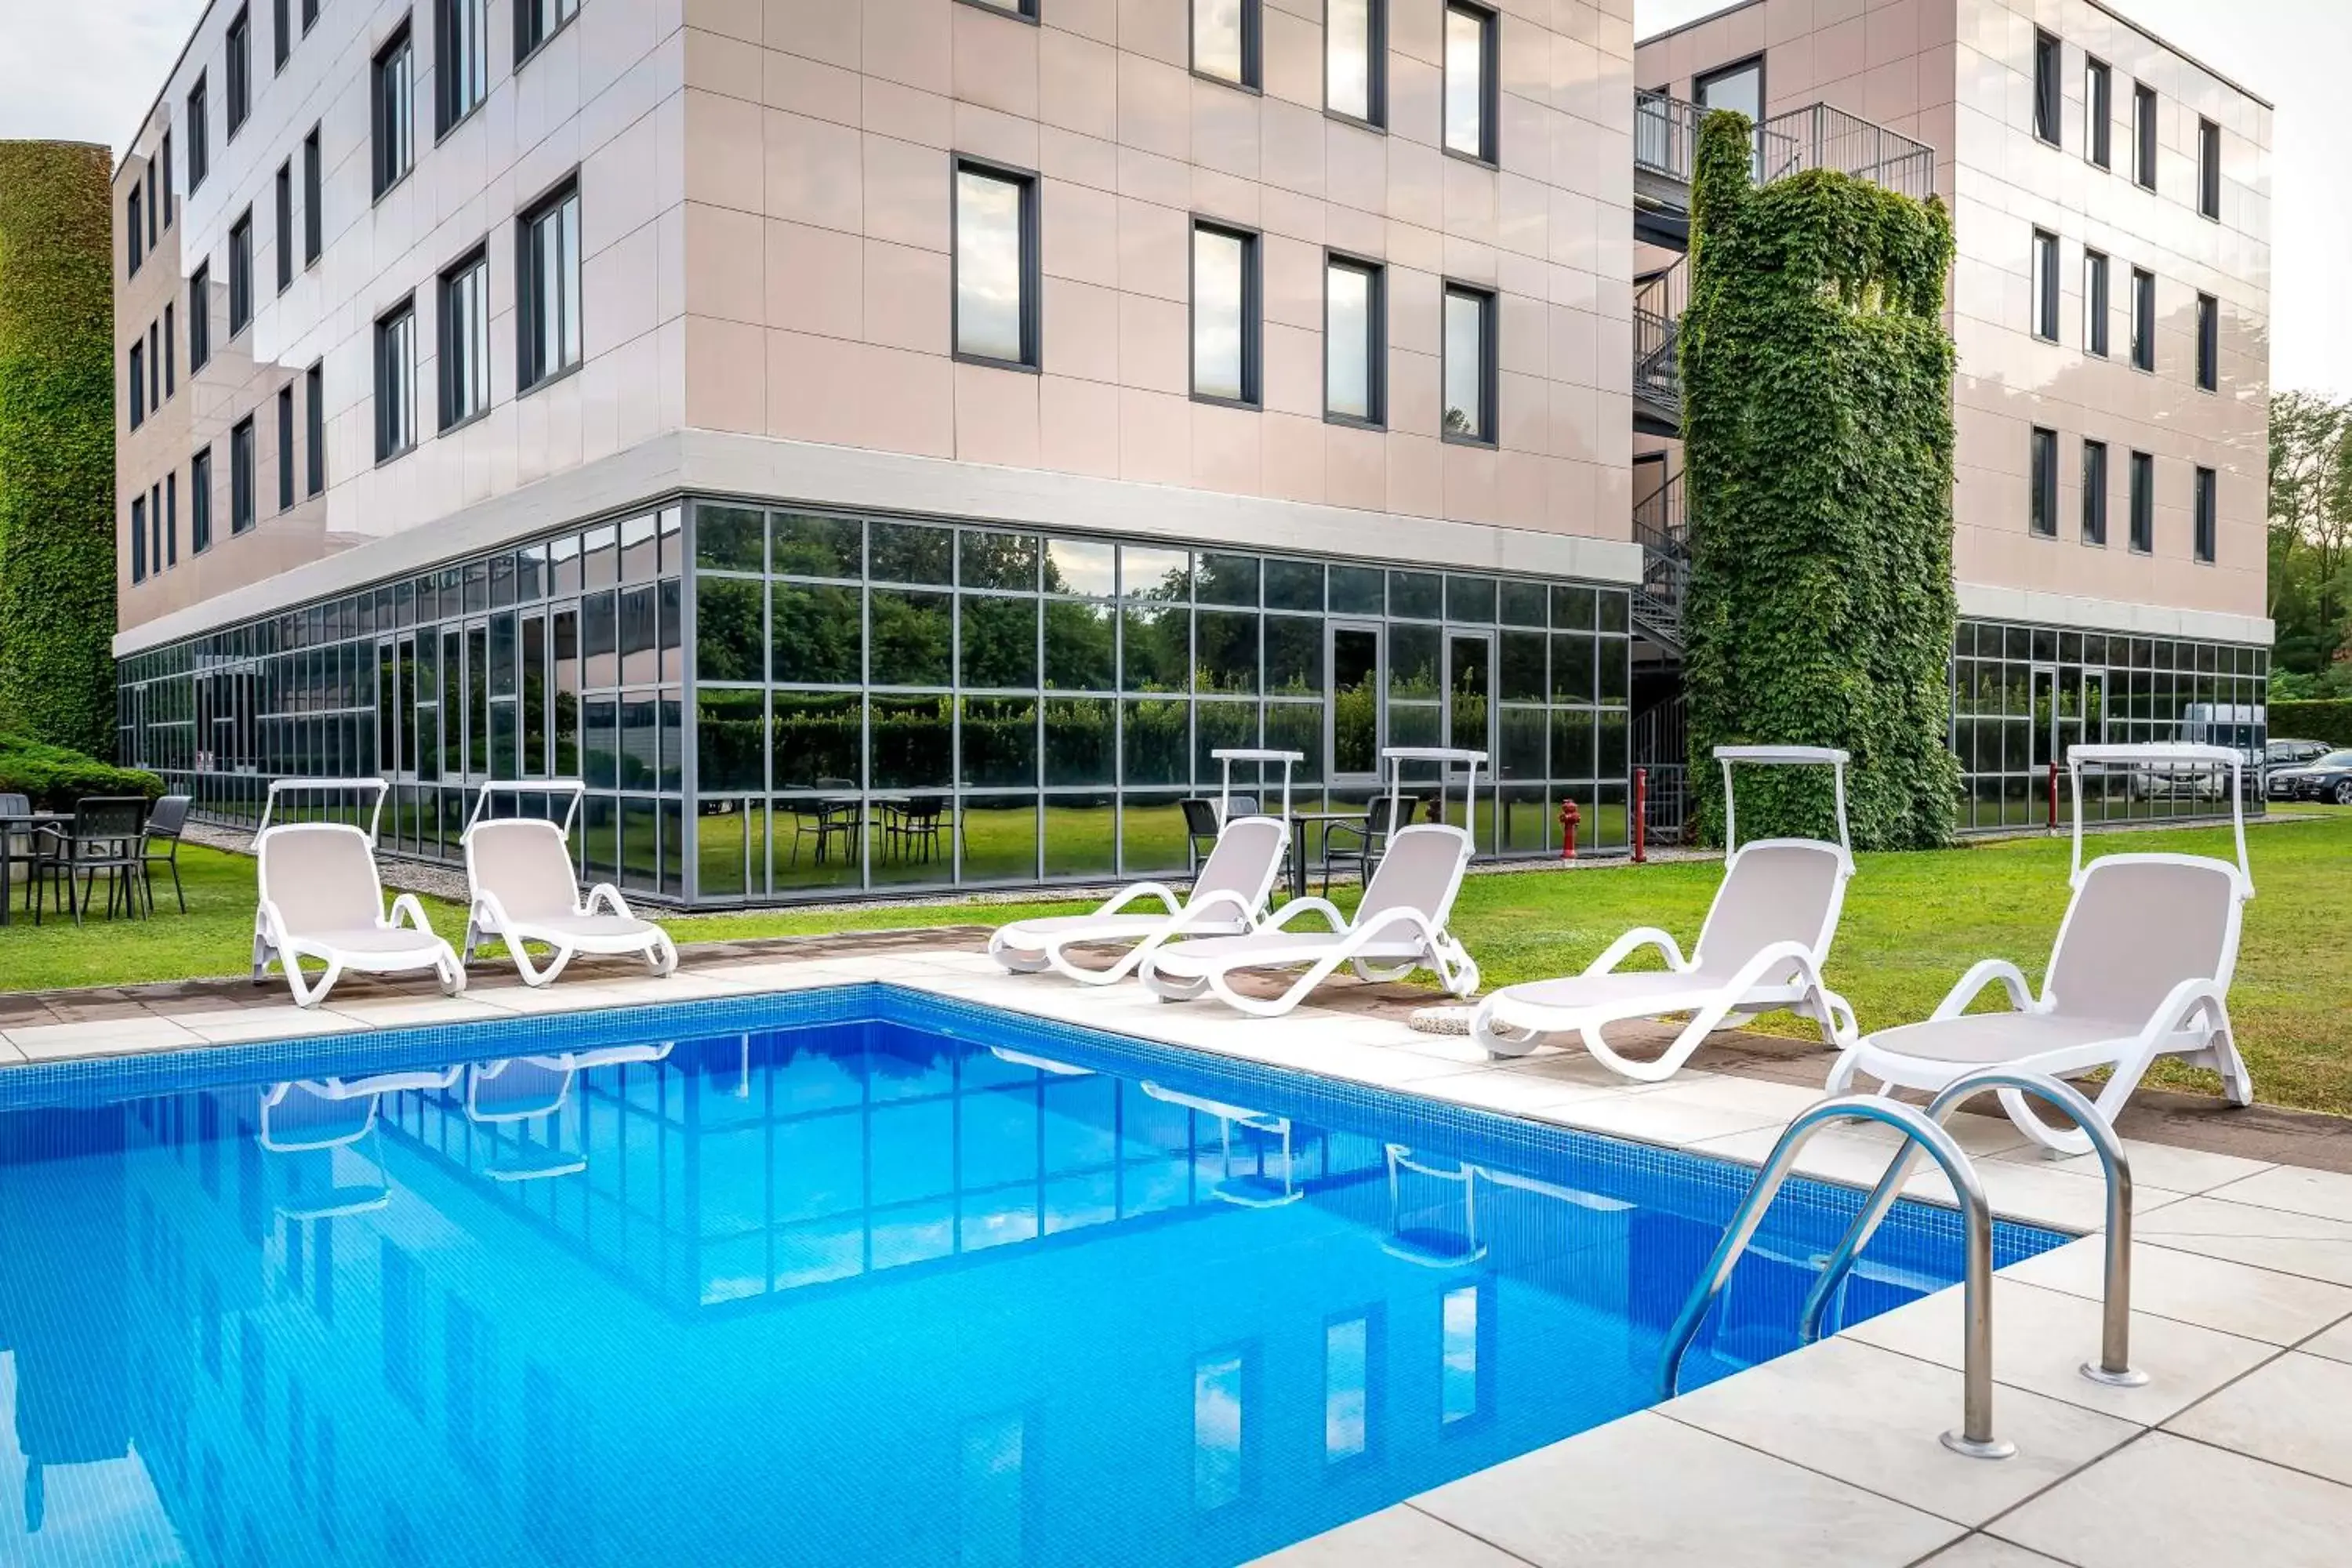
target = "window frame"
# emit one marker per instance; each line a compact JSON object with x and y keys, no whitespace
{"x":199,"y":147}
{"x":529,"y":13}
{"x":281,"y":43}
{"x":2208,"y":344}
{"x":135,"y":206}
{"x":2143,"y":307}
{"x":2143,"y":503}
{"x":399,"y":47}
{"x":2205,"y":517}
{"x":447,"y":113}
{"x":2041,"y":484}
{"x":200,"y":316}
{"x":240,"y":273}
{"x":2098,"y":112}
{"x":243,"y":509}
{"x":1252,"y":312}
{"x":1018,"y":10}
{"x":2143,"y":147}
{"x":1490,"y":104}
{"x":2208,"y":169}
{"x":314,"y":218}
{"x":314,"y":420}
{"x":2049,"y":91}
{"x":1488,"y":435}
{"x":1376,"y":346}
{"x":171,"y":349}
{"x":164,"y":154}
{"x":2098,"y":303}
{"x":446,"y":359}
{"x":531,"y":374}
{"x":2094,"y":495}
{"x":285,"y":221}
{"x":200,"y":501}
{"x":1032,"y":283}
{"x":1376,"y":70}
{"x":285,"y":448}
{"x":402,"y":315}
{"x":2045,"y":286}
{"x":138,"y":531}
{"x":237,"y":71}
{"x":135,"y":374}
{"x":1253,"y":77}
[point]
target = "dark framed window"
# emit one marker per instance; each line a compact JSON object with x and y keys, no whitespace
{"x":2143,"y":504}
{"x":1024,"y":9}
{"x":2208,"y":169}
{"x":1225,"y":330}
{"x":2209,"y":342}
{"x":2095,"y":304}
{"x":285,"y":448}
{"x":2048,"y":105}
{"x":154,"y":365}
{"x":2095,"y":493}
{"x":2144,"y":134}
{"x":154,"y":204}
{"x":547,"y":287}
{"x":1473,"y":104}
{"x":171,"y":208}
{"x":461,"y":60}
{"x":172,"y":519}
{"x":240,"y":273}
{"x":309,"y":15}
{"x":2045,"y":286}
{"x":536,"y":21}
{"x":200,"y":501}
{"x":392,"y":111}
{"x":2043,"y":519}
{"x":2207,"y":513}
{"x":138,"y":539}
{"x":997,"y":286}
{"x":240,"y":476}
{"x":395,"y":381}
{"x":2098,"y":112}
{"x":285,"y":225}
{"x":239,"y":71}
{"x":171,"y":349}
{"x":199,"y":140}
{"x":1354,"y":340}
{"x":1469,"y":369}
{"x":2143,"y":319}
{"x":138,"y":379}
{"x":1226,"y":41}
{"x":281,"y":43}
{"x":133,"y":231}
{"x":1355,"y":60}
{"x":314,"y":416}
{"x":199,"y":317}
{"x":314,"y":225}
{"x":465,"y":339}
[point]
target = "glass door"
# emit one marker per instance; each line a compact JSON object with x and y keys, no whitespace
{"x":1354,"y":732}
{"x":2095,"y":733}
{"x":1470,"y":713}
{"x":2043,"y":732}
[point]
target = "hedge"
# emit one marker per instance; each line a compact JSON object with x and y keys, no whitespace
{"x":2329,"y":720}
{"x":57,"y":444}
{"x":56,"y":777}
{"x":1817,"y":414}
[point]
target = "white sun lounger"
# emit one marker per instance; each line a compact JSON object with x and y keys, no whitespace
{"x":518,"y":874}
{"x":322,"y":900}
{"x":1766,"y":938}
{"x":2141,"y":970}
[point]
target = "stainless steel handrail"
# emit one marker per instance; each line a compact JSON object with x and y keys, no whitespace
{"x":1975,"y":1437}
{"x":2114,"y":1365}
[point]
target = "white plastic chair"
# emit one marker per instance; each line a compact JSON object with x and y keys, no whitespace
{"x":1766,"y":939}
{"x":322,"y":899}
{"x":2140,"y":970}
{"x":518,"y":874}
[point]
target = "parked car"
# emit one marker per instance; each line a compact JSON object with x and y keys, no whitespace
{"x":2327,"y":778}
{"x":2294,"y":754}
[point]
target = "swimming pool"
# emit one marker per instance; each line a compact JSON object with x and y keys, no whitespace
{"x":858,"y":1276}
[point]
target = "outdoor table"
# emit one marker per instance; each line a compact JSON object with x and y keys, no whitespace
{"x":28,"y":824}
{"x":1298,"y":823}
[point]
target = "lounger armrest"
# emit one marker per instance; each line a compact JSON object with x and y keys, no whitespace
{"x":1984,"y":973}
{"x":1222,"y":905}
{"x":1632,"y":941}
{"x":1127,"y":896}
{"x":1329,"y":911}
{"x":2181,"y":1004}
{"x":606,"y":899}
{"x":1365,"y":930}
{"x":407,"y":911}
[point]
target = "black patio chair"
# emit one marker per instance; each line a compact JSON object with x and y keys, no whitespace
{"x":104,"y":836}
{"x":159,"y":845}
{"x":1359,"y":844}
{"x":16,"y":847}
{"x":912,"y":828}
{"x":1201,"y":826}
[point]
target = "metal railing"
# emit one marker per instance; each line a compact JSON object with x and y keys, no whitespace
{"x":1658,"y":303}
{"x":1662,"y":529}
{"x":1666,"y":135}
{"x":1821,"y":137}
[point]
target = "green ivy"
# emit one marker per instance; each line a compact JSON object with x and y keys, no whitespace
{"x":57,"y":444}
{"x":1817,"y":414}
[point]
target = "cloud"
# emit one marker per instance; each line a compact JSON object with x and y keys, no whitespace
{"x":87,"y":71}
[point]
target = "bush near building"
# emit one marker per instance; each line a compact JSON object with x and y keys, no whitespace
{"x":2329,"y":720}
{"x":56,"y":777}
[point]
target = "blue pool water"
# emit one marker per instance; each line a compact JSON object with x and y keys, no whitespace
{"x":849,"y":1277}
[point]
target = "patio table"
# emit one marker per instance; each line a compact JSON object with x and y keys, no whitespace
{"x":24,"y":822}
{"x":1299,"y":821}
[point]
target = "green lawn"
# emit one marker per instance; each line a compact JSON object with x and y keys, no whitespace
{"x":1912,"y":924}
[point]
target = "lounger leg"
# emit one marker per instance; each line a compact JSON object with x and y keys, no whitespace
{"x":1841,"y":1079}
{"x":662,"y":956}
{"x":1500,"y":1040}
{"x":2062,"y":1145}
{"x":2221,"y":1047}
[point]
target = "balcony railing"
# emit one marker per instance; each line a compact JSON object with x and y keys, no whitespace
{"x":1662,"y":528}
{"x":1666,"y":135}
{"x":1658,"y":301}
{"x":1666,"y":143}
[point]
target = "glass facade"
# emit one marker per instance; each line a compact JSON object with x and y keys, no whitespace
{"x":2022,"y":694}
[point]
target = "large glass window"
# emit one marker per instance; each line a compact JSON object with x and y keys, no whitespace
{"x":1224,"y":40}
{"x":1469,"y":364}
{"x":1225,"y":314}
{"x":465,"y":341}
{"x":1352,"y":339}
{"x":1355,"y":60}
{"x":995,"y":265}
{"x":548,"y":288}
{"x":1471,"y":103}
{"x":392,"y":115}
{"x":395,"y":381}
{"x":461,"y":59}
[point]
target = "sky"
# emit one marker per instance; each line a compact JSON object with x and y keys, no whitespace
{"x":84,"y":70}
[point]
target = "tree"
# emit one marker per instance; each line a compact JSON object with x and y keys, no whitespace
{"x":2310,"y":529}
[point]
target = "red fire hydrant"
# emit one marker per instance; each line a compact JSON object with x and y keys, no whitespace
{"x":1568,"y":817}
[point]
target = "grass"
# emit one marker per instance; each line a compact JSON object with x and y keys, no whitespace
{"x":1912,"y":924}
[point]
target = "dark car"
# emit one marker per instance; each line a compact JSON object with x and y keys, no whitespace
{"x":2327,"y":778}
{"x":2294,"y":754}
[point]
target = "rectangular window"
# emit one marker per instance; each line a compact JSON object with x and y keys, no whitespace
{"x":240,"y":70}
{"x":240,"y":273}
{"x":2208,"y":510}
{"x":2047,"y":108}
{"x":2208,"y":169}
{"x":466,"y":340}
{"x":392,"y":113}
{"x":1469,"y":364}
{"x":395,"y":381}
{"x":313,"y":218}
{"x":1471,"y":109}
{"x":171,"y":209}
{"x":2043,"y":522}
{"x":200,"y":502}
{"x":309,"y":15}
{"x":2143,"y":504}
{"x":1355,"y":60}
{"x":138,"y":384}
{"x":282,"y":44}
{"x":154,"y":204}
{"x":2144,"y":134}
{"x":240,"y":476}
{"x":547,"y":289}
{"x":536,"y":21}
{"x":995,"y":265}
{"x":285,"y":448}
{"x":2209,"y":342}
{"x":1224,"y":40}
{"x":2095,"y":492}
{"x":138,"y":539}
{"x":172,"y":519}
{"x":2143,"y":319}
{"x":154,"y":365}
{"x":285,"y":225}
{"x":200,"y":318}
{"x":1352,"y":341}
{"x":2094,"y":303}
{"x":199,"y":155}
{"x":133,"y":231}
{"x":2045,"y":286}
{"x":1225,"y":314}
{"x":314,"y":411}
{"x":171,"y":349}
{"x":461,"y":60}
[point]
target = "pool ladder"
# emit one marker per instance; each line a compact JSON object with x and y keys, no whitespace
{"x":1925,"y":1130}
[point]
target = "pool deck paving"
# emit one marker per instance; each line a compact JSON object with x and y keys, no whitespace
{"x":2237,"y":1450}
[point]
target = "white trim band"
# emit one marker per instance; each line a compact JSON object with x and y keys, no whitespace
{"x":1986,"y":600}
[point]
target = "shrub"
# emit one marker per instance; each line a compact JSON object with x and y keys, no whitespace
{"x":2329,"y":720}
{"x":56,"y":777}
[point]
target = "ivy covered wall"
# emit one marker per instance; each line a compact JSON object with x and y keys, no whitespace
{"x":1817,"y":411}
{"x":57,"y":445}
